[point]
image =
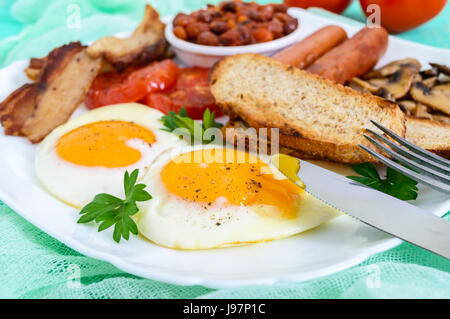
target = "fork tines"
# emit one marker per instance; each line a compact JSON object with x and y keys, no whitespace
{"x":411,"y":160}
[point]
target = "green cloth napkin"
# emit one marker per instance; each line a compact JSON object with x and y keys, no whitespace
{"x":34,"y":265}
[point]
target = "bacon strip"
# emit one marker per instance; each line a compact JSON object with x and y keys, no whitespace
{"x":35,"y":67}
{"x":64,"y":77}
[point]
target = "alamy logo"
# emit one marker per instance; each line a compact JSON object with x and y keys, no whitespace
{"x":73,"y":20}
{"x":374,"y":19}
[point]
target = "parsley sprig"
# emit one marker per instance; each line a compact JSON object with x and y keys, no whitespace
{"x":112,"y":211}
{"x":173,"y":121}
{"x":395,"y":183}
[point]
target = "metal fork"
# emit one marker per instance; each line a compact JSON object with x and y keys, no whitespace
{"x":422,"y":166}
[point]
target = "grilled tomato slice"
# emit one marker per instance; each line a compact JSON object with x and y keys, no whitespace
{"x":131,"y":85}
{"x":190,"y":91}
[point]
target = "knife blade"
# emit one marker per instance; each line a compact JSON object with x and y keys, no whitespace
{"x":379,"y":210}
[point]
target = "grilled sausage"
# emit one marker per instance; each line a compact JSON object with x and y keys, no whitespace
{"x":354,"y":57}
{"x":306,"y":52}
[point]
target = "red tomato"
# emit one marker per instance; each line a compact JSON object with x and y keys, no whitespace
{"x":191,"y":77}
{"x":402,"y":15}
{"x":191,"y":91}
{"x":161,"y":102}
{"x":131,"y":85}
{"x":336,"y":6}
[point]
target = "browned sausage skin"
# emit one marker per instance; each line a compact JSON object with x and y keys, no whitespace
{"x":304,"y":53}
{"x":354,"y":57}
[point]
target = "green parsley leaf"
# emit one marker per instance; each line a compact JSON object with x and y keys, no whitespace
{"x":108,"y":210}
{"x":366,"y":169}
{"x":208,"y":120}
{"x":401,"y":186}
{"x":395,"y":184}
{"x":173,"y":121}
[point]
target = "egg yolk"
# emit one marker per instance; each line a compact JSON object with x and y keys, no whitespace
{"x":242,"y":182}
{"x":103,"y":144}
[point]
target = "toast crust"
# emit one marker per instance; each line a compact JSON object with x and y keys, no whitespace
{"x":294,"y":134}
{"x":237,"y":137}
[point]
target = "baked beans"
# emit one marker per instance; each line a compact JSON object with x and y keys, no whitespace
{"x":234,"y":23}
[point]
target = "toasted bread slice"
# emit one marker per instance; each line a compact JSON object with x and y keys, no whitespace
{"x":315,"y":116}
{"x":431,"y":135}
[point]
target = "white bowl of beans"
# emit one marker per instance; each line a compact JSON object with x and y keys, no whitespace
{"x":233,"y":27}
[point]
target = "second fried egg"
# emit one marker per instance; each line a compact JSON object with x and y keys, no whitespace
{"x":206,"y":197}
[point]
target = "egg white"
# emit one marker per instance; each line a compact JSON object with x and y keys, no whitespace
{"x":76,"y":185}
{"x":172,"y":222}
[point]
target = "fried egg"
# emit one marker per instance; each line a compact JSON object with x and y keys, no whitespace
{"x":207,"y":197}
{"x":90,"y":154}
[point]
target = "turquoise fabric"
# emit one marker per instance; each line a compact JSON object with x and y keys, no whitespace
{"x":34,"y":265}
{"x":8,"y":25}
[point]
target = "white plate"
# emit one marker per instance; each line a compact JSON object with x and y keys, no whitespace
{"x":340,"y":244}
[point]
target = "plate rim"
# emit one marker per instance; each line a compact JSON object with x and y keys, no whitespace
{"x":182,"y":280}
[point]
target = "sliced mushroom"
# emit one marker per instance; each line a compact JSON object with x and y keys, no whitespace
{"x":362,"y":85}
{"x":393,"y":67}
{"x":437,"y":97}
{"x":422,"y":111}
{"x":399,"y":83}
{"x":430,"y":73}
{"x":443,"y":78}
{"x":366,"y":87}
{"x":417,"y":78}
{"x":408,"y":107}
{"x":430,"y":82}
{"x":385,"y":94}
{"x":442,"y":68}
{"x":358,"y":88}
{"x":424,"y":94}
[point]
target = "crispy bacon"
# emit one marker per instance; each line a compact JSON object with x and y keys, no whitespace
{"x":18,"y":107}
{"x":146,"y":44}
{"x":63,"y":79}
{"x":35,"y":67}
